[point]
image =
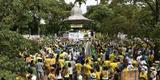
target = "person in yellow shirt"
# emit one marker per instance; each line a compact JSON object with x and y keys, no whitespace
{"x":52,"y":61}
{"x":98,"y":73}
{"x":143,"y":74}
{"x":51,"y":75}
{"x":61,"y":55}
{"x":78,"y":67}
{"x":66,"y":73}
{"x":87,"y":69}
{"x":121,"y":57}
{"x":89,"y":60}
{"x":107,"y":63}
{"x":112,"y":56}
{"x":124,"y":74}
{"x":151,"y":57}
{"x":113,"y":65}
{"x":47,"y":62}
{"x":61,"y":62}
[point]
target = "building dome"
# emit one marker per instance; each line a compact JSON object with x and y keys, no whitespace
{"x":76,"y":16}
{"x":76,"y":10}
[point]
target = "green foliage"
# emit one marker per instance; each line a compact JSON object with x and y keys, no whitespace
{"x":7,"y":75}
{"x":19,"y":15}
{"x":100,"y":14}
{"x":11,"y":44}
{"x":133,"y":19}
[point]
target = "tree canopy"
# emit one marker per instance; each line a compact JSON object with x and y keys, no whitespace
{"x":21,"y":15}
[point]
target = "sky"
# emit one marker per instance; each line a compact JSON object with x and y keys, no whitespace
{"x":83,"y":7}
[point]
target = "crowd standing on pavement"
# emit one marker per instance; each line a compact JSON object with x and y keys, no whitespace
{"x":91,"y":60}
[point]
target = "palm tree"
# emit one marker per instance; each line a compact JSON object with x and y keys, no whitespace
{"x":80,"y":2}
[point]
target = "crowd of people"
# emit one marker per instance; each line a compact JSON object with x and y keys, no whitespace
{"x":92,"y":60}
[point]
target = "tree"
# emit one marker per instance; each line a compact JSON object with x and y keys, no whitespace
{"x":26,"y":14}
{"x":115,"y":19}
{"x":11,"y":44}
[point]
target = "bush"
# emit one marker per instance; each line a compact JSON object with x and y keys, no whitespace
{"x":11,"y":43}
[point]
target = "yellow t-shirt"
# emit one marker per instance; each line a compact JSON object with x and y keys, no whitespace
{"x":144,"y":75}
{"x":101,"y":68}
{"x":52,"y":61}
{"x":47,"y":62}
{"x":78,"y":67}
{"x":61,"y":62}
{"x":66,"y":74}
{"x":106,"y":63}
{"x":98,"y":75}
{"x":19,"y":78}
{"x":125,"y":72}
{"x":151,"y":57}
{"x":121,"y":57}
{"x":89,"y":60}
{"x":87,"y":69}
{"x":113,"y":65}
{"x":61,"y":55}
{"x":111,"y":57}
{"x":51,"y":76}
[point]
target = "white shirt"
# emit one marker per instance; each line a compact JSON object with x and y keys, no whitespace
{"x":139,"y":58}
{"x":130,"y":67}
{"x":153,"y":75}
{"x":70,"y":70}
{"x":69,"y":57}
{"x":34,"y":77}
{"x":80,"y":77}
{"x":143,"y":62}
{"x":59,"y":76}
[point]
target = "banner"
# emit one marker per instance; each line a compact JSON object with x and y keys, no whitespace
{"x":76,"y":36}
